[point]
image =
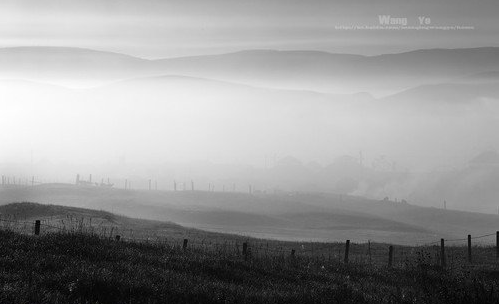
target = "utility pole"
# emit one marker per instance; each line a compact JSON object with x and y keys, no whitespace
{"x":31,"y":161}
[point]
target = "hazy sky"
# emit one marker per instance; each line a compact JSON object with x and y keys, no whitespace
{"x":160,"y":28}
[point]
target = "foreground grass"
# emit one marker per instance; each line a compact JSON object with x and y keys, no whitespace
{"x":80,"y":268}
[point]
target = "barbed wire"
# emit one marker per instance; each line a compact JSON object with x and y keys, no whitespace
{"x":233,"y":245}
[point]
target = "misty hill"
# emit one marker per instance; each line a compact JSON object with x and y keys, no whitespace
{"x":67,"y":66}
{"x":307,"y":70}
{"x":491,"y":76}
{"x":186,"y":117}
{"x":158,"y":116}
{"x":338,"y":72}
{"x":435,"y":96}
{"x":282,"y":216}
{"x":473,"y":181}
{"x":476,"y":182}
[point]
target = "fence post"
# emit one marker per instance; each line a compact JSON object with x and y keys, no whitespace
{"x":469,"y":248}
{"x":369,"y":252}
{"x":346,"y":256}
{"x":37,"y":227}
{"x":443,"y":259}
{"x":245,"y":250}
{"x":497,"y":242}
{"x":391,"y":251}
{"x":292,"y":254}
{"x":184,"y":244}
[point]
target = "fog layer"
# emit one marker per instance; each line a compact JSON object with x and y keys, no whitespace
{"x":265,"y":122}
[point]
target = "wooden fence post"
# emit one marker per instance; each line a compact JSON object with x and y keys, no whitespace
{"x":443,"y":259}
{"x":391,"y":251}
{"x":469,"y":248}
{"x":245,"y":250}
{"x":37,"y":227}
{"x":369,"y":252}
{"x":346,"y":256}
{"x":184,"y":244}
{"x":497,"y":242}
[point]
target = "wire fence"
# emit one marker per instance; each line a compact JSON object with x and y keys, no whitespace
{"x":450,"y":253}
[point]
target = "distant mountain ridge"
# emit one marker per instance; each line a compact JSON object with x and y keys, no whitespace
{"x":305,"y":70}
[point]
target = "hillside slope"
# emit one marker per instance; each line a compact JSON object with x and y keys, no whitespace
{"x":320,"y":217}
{"x":58,"y":218}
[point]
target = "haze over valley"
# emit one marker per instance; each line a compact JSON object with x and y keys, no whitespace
{"x":224,"y":99}
{"x":251,"y":118}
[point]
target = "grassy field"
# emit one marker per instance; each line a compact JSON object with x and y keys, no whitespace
{"x":20,"y":217}
{"x":84,"y":268}
{"x":76,"y":259}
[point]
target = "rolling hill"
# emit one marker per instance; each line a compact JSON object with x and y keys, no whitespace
{"x":57,"y":218}
{"x":298,"y":217}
